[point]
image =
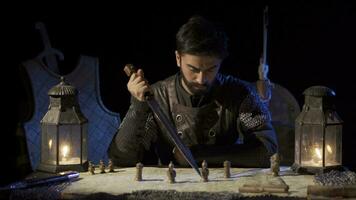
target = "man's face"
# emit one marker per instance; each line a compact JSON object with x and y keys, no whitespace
{"x":198,"y":72}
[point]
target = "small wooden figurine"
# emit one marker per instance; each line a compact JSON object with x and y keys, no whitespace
{"x":139,"y":167}
{"x":204,"y":171}
{"x":227,"y":166}
{"x":91,"y":168}
{"x":171,"y":173}
{"x":102,"y":167}
{"x":275,"y":160}
{"x":111,"y":166}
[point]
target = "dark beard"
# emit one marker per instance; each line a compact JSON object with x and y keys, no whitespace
{"x":195,"y":88}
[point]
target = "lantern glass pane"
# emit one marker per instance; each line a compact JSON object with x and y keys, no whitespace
{"x":311,"y":145}
{"x":333,"y":145}
{"x":49,"y":144}
{"x":85,"y":143}
{"x":69,"y":144}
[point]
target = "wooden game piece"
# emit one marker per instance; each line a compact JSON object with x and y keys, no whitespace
{"x":171,"y":173}
{"x":102,"y":167}
{"x":139,"y":169}
{"x":204,"y":171}
{"x":227,"y":166}
{"x":91,"y":168}
{"x":111,"y":166}
{"x":275,"y":160}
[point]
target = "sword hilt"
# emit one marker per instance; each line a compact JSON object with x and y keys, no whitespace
{"x":129,"y":69}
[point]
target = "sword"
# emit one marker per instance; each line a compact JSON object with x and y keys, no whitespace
{"x":29,"y":183}
{"x":263,"y":85}
{"x":172,"y":132}
{"x":265,"y":34}
{"x":49,"y":53}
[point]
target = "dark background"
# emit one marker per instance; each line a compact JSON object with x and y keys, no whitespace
{"x":309,"y":44}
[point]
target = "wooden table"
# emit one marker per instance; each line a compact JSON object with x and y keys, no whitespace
{"x":121,"y":184}
{"x":122,"y":181}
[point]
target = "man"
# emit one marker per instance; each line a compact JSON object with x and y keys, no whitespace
{"x":218,"y":117}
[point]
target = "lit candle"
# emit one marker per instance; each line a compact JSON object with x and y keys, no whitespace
{"x":329,"y":149}
{"x":330,"y":156}
{"x":317,"y":156}
{"x":67,"y":156}
{"x":65,"y":151}
{"x":50,"y":144}
{"x":318,"y":153}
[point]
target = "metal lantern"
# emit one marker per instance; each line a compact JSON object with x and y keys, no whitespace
{"x":64,"y":132}
{"x":318,"y":133}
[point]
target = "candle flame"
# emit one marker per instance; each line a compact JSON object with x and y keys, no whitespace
{"x":50,"y":144}
{"x":65,"y":150}
{"x":329,"y":149}
{"x":318,"y":153}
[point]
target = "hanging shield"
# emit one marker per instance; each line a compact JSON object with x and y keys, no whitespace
{"x":284,"y":109}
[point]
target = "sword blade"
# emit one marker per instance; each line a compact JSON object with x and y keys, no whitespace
{"x":152,"y":103}
{"x":265,"y":34}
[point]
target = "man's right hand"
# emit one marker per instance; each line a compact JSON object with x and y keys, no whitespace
{"x":138,"y":85}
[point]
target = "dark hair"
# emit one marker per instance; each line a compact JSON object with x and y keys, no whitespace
{"x":200,"y":37}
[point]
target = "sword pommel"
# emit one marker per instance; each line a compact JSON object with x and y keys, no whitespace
{"x":129,"y":69}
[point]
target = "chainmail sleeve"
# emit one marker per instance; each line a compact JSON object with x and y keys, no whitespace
{"x":253,"y":113}
{"x":255,"y":118}
{"x":135,"y":135}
